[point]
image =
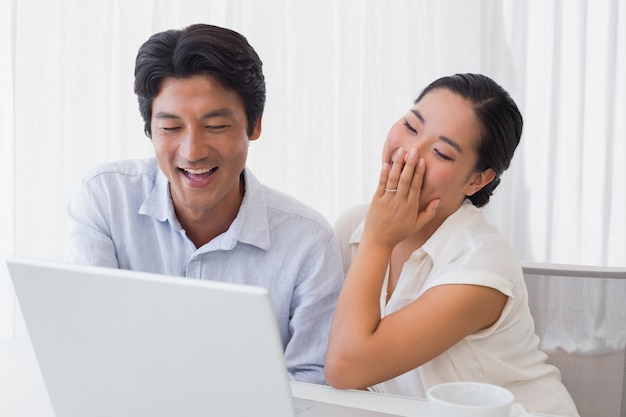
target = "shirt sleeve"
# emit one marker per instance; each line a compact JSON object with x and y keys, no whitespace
{"x":312,"y":307}
{"x":88,"y":240}
{"x":488,"y":262}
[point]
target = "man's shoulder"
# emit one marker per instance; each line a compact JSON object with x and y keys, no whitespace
{"x":281,"y":204}
{"x":146,"y":167}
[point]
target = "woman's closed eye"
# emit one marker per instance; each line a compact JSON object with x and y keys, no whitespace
{"x":442,"y":155}
{"x":409,"y":127}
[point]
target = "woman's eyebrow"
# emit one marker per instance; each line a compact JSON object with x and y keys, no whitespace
{"x":418,"y":115}
{"x":445,"y":139}
{"x":452,"y":143}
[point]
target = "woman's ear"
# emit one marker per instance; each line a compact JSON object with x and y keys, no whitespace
{"x":479,"y":180}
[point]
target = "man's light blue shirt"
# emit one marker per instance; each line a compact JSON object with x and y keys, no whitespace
{"x":122,"y":216}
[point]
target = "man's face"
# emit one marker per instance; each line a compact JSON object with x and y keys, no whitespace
{"x":199,"y":134}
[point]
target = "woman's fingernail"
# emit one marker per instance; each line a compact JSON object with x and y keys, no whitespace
{"x":412,"y":153}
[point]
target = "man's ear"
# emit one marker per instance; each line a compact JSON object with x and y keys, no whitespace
{"x":256,"y":132}
{"x":479,"y":180}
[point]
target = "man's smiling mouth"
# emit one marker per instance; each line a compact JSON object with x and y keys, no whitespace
{"x":199,"y":174}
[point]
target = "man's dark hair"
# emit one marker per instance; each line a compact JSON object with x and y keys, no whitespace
{"x":195,"y":50}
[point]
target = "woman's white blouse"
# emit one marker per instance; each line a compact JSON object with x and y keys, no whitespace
{"x":466,"y":249}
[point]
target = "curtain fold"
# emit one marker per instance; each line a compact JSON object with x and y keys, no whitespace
{"x":7,"y":164}
{"x":338,"y":74}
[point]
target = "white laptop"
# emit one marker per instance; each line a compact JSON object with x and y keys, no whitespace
{"x":117,"y":343}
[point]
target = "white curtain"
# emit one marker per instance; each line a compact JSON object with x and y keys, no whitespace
{"x":339,"y":73}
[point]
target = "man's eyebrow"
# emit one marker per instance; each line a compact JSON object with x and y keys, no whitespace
{"x":445,"y":139}
{"x":218,"y":113}
{"x":165,"y":115}
{"x":214,"y":113}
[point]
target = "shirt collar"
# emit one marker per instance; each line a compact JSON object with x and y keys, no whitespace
{"x":252,"y":220}
{"x":159,"y":203}
{"x":251,"y":226}
{"x":452,"y":226}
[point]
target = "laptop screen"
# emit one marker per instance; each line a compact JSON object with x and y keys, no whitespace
{"x":112,"y":342}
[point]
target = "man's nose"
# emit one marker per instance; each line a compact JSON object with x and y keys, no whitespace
{"x":192,"y":146}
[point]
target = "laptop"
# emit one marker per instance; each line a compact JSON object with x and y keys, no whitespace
{"x":113,"y":342}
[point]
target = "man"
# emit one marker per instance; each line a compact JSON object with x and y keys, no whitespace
{"x":195,"y":210}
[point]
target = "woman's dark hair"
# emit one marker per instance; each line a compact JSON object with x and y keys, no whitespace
{"x":500,"y":124}
{"x":200,"y":49}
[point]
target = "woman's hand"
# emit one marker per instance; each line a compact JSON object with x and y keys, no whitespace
{"x":394,"y":212}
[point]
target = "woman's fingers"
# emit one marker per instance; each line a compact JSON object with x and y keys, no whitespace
{"x":414,"y":187}
{"x":382,"y":180}
{"x":403,"y":177}
{"x":399,"y":176}
{"x":427,"y":214}
{"x":391,"y":173}
{"x":410,"y":176}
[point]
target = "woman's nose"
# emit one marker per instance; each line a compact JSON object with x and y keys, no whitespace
{"x":420,"y":145}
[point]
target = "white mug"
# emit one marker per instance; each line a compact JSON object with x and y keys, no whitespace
{"x":469,"y":399}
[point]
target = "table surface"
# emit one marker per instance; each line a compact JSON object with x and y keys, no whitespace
{"x":23,"y":394}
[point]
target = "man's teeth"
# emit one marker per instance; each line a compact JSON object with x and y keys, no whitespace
{"x":198,"y":171}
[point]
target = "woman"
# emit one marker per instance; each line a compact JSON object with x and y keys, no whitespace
{"x":434,"y":292}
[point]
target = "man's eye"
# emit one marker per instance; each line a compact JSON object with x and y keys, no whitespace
{"x":170,"y":129}
{"x":216,"y":127}
{"x":409,"y":127}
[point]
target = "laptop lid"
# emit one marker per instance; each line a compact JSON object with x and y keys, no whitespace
{"x":121,"y":343}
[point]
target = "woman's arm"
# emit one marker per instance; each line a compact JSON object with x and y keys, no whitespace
{"x":364,"y":350}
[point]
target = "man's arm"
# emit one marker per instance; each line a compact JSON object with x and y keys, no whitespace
{"x":312,"y":305}
{"x":88,"y":239}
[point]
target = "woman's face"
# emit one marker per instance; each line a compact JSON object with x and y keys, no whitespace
{"x":443,"y":128}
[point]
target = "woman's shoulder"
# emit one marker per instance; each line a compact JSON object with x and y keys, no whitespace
{"x":469,"y":229}
{"x":350,"y":219}
{"x":344,"y":227}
